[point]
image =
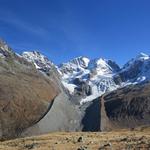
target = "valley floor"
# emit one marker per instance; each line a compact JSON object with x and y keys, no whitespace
{"x":138,"y":139}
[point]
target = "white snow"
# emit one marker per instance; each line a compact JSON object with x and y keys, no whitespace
{"x":70,"y":87}
{"x":39,"y":60}
{"x":100,"y":81}
{"x":143,"y":56}
{"x":86,"y":61}
{"x":142,"y":78}
{"x":2,"y":56}
{"x":100,"y":66}
{"x":89,"y":98}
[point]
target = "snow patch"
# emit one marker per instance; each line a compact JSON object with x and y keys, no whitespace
{"x":70,"y":87}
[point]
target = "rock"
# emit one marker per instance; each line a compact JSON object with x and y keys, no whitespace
{"x":113,"y":65}
{"x":82,"y":148}
{"x":80,"y":139}
{"x":105,"y":146}
{"x":83,"y":88}
{"x":31,"y":146}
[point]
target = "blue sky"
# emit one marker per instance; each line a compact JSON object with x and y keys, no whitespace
{"x":64,"y":29}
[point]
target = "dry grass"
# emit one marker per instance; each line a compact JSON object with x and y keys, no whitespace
{"x":138,"y":139}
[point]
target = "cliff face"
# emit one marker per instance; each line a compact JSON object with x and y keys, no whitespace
{"x":25,"y":93}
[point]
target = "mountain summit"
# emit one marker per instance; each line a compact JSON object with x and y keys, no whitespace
{"x":142,"y":56}
{"x":40,"y":61}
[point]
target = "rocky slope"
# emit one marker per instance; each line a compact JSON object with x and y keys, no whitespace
{"x":128,"y":107}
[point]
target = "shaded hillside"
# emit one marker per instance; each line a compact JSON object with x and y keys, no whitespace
{"x":128,"y":107}
{"x":91,"y":120}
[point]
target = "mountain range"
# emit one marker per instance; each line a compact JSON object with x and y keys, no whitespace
{"x":37,"y":96}
{"x":90,"y":79}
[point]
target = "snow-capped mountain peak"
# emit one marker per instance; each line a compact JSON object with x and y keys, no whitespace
{"x":142,"y":56}
{"x":99,"y":65}
{"x":136,"y":70}
{"x":103,"y":66}
{"x":40,"y":61}
{"x":34,"y":55}
{"x":74,"y":66}
{"x":89,"y":76}
{"x":81,"y":61}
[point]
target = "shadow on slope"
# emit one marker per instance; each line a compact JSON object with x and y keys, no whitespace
{"x":91,"y":120}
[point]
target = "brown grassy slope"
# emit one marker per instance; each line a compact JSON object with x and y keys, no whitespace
{"x":25,"y":94}
{"x":117,"y":140}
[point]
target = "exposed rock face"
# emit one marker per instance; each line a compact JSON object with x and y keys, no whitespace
{"x":132,"y":72}
{"x":83,"y":88}
{"x":25,"y":93}
{"x":113,"y":65}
